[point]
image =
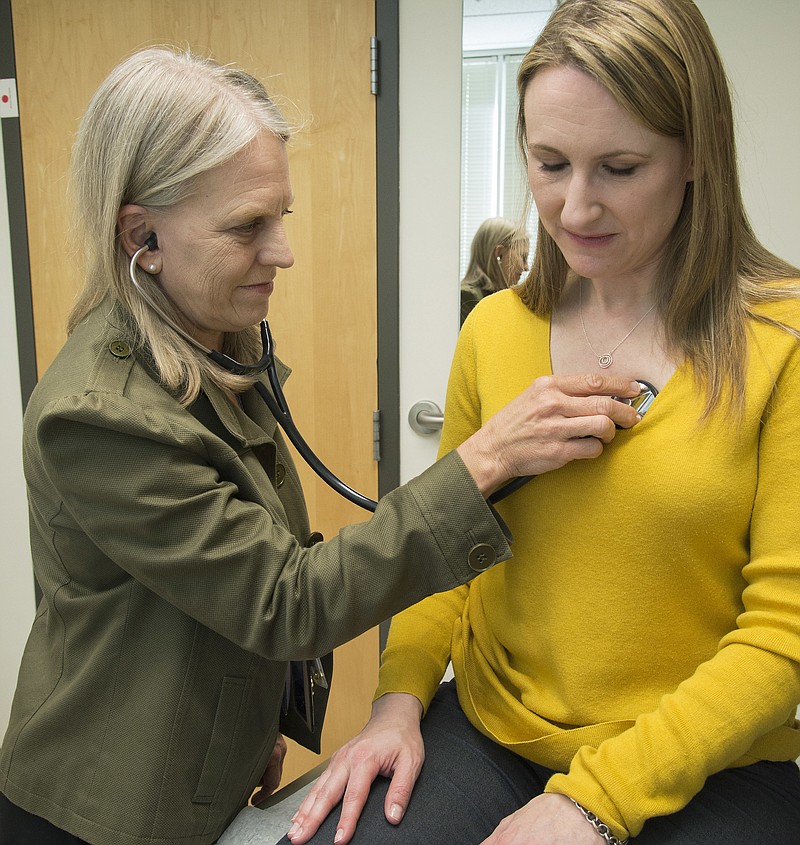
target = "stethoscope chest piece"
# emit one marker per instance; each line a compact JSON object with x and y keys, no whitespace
{"x":644,"y":400}
{"x":640,"y":402}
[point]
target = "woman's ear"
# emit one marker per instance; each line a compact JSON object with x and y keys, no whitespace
{"x":132,"y":228}
{"x":134,"y":233}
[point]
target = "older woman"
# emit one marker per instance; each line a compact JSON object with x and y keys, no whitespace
{"x":498,"y":256}
{"x":634,"y":671}
{"x":178,"y":570}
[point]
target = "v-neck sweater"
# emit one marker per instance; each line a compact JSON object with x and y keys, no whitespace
{"x":646,"y":632}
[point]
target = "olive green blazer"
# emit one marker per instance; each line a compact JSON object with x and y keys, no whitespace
{"x":170,"y":546}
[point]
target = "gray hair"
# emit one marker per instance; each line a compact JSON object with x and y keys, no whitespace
{"x":161,"y":119}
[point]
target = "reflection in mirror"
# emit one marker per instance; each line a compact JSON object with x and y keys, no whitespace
{"x":497,"y":258}
{"x":496,"y":35}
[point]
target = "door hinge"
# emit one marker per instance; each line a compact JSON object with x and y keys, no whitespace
{"x":373,"y":65}
{"x":376,"y":435}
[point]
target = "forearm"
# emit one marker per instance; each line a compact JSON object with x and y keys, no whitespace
{"x":710,"y":722}
{"x":418,"y":648}
{"x":208,"y":517}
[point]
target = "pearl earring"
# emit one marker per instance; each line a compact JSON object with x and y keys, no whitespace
{"x":151,"y":268}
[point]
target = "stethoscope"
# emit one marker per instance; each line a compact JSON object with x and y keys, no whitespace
{"x":641,"y":402}
{"x":275,"y":401}
{"x":279,"y":408}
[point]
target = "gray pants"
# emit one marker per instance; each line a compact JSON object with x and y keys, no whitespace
{"x":469,"y":784}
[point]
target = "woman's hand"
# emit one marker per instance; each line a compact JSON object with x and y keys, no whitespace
{"x":272,"y":775}
{"x":390,"y":745}
{"x":549,"y":819}
{"x":558,"y":419}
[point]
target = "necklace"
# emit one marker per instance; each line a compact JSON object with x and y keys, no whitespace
{"x":605,"y":360}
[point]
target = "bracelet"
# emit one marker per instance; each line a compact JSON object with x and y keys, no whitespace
{"x":602,"y":829}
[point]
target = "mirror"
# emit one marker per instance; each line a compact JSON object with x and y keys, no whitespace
{"x":494,"y":240}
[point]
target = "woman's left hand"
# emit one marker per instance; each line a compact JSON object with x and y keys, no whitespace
{"x":272,"y":775}
{"x":549,"y":819}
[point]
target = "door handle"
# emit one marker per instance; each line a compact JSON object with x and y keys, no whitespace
{"x":425,"y":417}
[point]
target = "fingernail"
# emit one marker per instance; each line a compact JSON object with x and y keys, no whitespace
{"x":638,"y":418}
{"x":339,"y":835}
{"x":294,"y":829}
{"x":636,"y":386}
{"x":396,"y":812}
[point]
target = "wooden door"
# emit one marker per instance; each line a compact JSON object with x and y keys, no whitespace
{"x":314,"y":56}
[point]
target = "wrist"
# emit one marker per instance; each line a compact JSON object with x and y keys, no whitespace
{"x":601,"y":829}
{"x":398,"y":705}
{"x":482,"y":465}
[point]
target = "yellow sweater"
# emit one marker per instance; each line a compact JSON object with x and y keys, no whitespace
{"x":646,"y":633}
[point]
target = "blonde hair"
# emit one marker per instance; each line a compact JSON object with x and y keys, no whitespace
{"x":160,"y":120}
{"x":483,"y":271}
{"x":659,"y":61}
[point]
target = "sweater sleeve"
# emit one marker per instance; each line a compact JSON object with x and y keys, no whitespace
{"x":418,"y":648}
{"x":751,"y":686}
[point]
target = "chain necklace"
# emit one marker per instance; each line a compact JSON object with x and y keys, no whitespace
{"x":605,"y":360}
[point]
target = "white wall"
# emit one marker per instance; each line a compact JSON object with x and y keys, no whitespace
{"x":758,"y":43}
{"x":16,"y":590}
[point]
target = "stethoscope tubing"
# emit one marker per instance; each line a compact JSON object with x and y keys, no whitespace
{"x":284,"y":418}
{"x":276,"y":402}
{"x":509,"y":488}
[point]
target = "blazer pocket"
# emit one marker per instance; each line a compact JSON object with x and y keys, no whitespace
{"x":220,"y":747}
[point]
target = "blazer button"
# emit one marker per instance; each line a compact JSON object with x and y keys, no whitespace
{"x":481,"y":557}
{"x":119,"y":348}
{"x":313,"y":538}
{"x":280,"y":475}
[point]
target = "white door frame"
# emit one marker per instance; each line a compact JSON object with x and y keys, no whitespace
{"x":430,"y":187}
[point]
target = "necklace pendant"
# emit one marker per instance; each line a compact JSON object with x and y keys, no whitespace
{"x":605,"y":361}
